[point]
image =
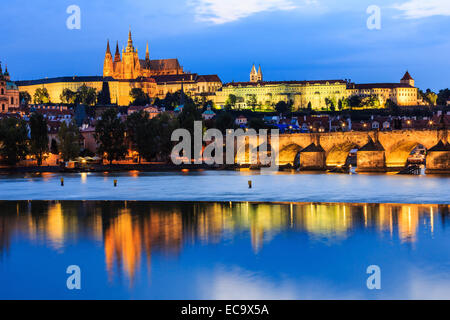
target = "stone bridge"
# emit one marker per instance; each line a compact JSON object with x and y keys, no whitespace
{"x":377,"y":150}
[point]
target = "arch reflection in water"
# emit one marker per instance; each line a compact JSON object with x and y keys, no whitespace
{"x":131,"y":232}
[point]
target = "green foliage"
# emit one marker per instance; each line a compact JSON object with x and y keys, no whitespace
{"x":54,"y":147}
{"x":231,"y":102}
{"x":68,"y":96}
{"x":354,"y":101}
{"x":14,"y":140}
{"x":172,"y":100}
{"x":104,"y":96}
{"x":252,"y":102}
{"x":41,"y":96}
{"x":187,"y":117}
{"x":443,"y":97}
{"x":151,"y":138}
{"x":110,"y":135}
{"x":69,"y":141}
{"x":392,"y":107}
{"x":86,"y":95}
{"x":224,"y":121}
{"x":258,"y":124}
{"x":331,"y":103}
{"x":140,"y":98}
{"x":160,"y":133}
{"x":370,"y":101}
{"x":38,"y":136}
{"x":25,"y":97}
{"x":283,"y":107}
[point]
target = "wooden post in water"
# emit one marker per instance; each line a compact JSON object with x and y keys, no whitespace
{"x":62,"y":182}
{"x":249,"y":184}
{"x":115,"y":183}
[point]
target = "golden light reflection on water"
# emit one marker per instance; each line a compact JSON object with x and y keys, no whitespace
{"x":129,"y":232}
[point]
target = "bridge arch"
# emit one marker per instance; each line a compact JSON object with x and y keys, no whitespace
{"x":288,"y":154}
{"x":243,"y":152}
{"x":397,"y":156}
{"x":338,"y":154}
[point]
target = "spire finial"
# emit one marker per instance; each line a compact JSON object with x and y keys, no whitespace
{"x":130,"y":42}
{"x":108,"y":49}
{"x":147,"y":53}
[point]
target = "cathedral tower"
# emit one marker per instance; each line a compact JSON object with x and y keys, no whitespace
{"x":108,"y":67}
{"x":256,"y":76}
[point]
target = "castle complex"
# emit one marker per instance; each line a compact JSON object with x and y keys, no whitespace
{"x":125,"y":71}
{"x":313,"y":93}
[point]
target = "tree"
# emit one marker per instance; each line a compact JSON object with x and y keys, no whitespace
{"x":331,"y":103}
{"x":104,"y":96}
{"x":38,"y":136}
{"x":443,"y":97}
{"x":282,"y":107}
{"x":392,"y":107}
{"x":309,"y":107}
{"x":258,"y":124}
{"x":68,"y":96}
{"x":140,"y":98}
{"x":86,"y":95}
{"x":225,"y":121}
{"x":54,"y":147}
{"x":159,"y":131}
{"x":172,"y":100}
{"x":110,"y":135}
{"x":371,"y":101}
{"x":231,"y":102}
{"x":431,"y":97}
{"x":25,"y":97}
{"x":69,"y":141}
{"x":41,"y":96}
{"x":13,"y":137}
{"x":354,"y":101}
{"x":136,"y":126}
{"x":252,"y":102}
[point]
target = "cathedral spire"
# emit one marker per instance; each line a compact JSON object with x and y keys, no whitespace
{"x":108,"y":49}
{"x":147,"y":53}
{"x":130,"y":47}
{"x":117,"y":55}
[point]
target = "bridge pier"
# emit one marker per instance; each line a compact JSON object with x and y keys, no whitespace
{"x":312,"y":158}
{"x":438,"y":158}
{"x":371,"y":157}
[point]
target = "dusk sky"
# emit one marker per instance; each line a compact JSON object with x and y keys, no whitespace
{"x":291,"y":39}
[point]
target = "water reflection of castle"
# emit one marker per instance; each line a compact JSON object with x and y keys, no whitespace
{"x":131,"y":232}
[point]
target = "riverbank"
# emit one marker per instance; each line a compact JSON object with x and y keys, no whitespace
{"x":114,"y":168}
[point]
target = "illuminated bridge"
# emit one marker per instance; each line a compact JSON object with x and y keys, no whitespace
{"x":376,"y":150}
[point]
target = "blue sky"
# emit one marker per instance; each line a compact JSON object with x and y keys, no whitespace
{"x":291,"y":39}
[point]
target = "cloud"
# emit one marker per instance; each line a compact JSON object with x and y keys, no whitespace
{"x":224,"y":11}
{"x":416,"y":9}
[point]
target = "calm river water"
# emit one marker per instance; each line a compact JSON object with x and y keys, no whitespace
{"x":287,"y":238}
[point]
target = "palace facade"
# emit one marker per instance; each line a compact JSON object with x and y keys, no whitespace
{"x":9,"y":93}
{"x":314,"y":93}
{"x":126,"y":71}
